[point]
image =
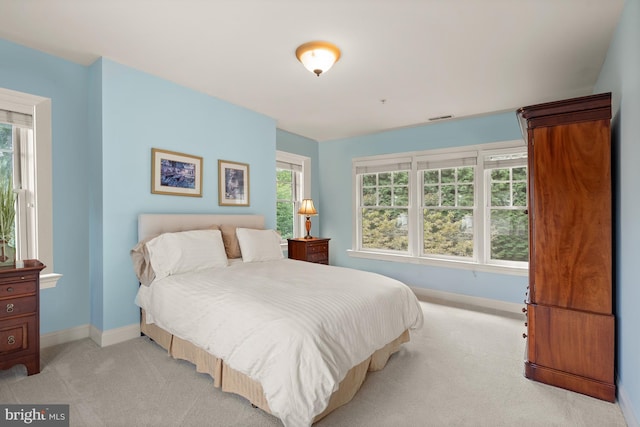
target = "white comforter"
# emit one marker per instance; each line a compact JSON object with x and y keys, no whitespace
{"x":295,"y":327}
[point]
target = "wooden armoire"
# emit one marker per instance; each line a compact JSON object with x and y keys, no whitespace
{"x":570,"y":322}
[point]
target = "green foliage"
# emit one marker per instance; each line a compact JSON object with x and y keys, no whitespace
{"x":509,"y":235}
{"x":5,"y":137}
{"x":285,"y":203}
{"x":449,"y":203}
{"x":7,"y":196}
{"x":385,"y":189}
{"x":6,"y":146}
{"x":448,"y":232}
{"x":385,"y":229}
{"x":284,"y":219}
{"x":7,"y":209}
{"x":509,"y":227}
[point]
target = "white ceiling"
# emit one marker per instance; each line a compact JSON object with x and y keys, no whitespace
{"x":426,"y":58}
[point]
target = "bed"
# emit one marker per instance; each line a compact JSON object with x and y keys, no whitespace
{"x":296,"y":339}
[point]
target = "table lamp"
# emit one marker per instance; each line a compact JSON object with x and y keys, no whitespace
{"x":307,"y":209}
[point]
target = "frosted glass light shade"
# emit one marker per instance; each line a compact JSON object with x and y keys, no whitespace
{"x":318,"y":57}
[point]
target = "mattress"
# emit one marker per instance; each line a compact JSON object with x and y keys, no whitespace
{"x":295,"y":328}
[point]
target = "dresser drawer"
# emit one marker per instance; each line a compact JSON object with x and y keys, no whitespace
{"x":14,"y":338}
{"x":17,"y":278}
{"x":16,"y":289}
{"x":17,"y":306}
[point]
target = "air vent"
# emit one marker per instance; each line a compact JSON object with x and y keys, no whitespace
{"x":433,"y":119}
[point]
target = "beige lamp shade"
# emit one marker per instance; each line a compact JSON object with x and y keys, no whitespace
{"x":307,"y":208}
{"x":318,"y":57}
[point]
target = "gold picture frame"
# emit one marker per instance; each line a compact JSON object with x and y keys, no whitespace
{"x":175,"y":174}
{"x":233,"y":183}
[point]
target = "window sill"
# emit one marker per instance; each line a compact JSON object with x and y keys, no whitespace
{"x":499,"y":269}
{"x":49,"y":280}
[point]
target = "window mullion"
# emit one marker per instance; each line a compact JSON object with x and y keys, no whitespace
{"x":414,"y":222}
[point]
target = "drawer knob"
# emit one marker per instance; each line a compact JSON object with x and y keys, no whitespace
{"x":11,"y":340}
{"x":9,"y":308}
{"x":9,"y":289}
{"x":524,"y":309}
{"x":524,"y":335}
{"x":21,"y":277}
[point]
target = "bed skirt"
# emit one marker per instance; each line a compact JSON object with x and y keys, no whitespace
{"x":230,"y":380}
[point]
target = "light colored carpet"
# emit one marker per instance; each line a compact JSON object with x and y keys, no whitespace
{"x":464,"y":368}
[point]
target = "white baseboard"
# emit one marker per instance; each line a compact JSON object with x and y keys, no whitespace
{"x":64,"y":336}
{"x":626,"y":407}
{"x":103,"y":339}
{"x":467,"y":300}
{"x":114,"y":336}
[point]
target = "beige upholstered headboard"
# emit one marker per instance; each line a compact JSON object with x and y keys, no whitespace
{"x":151,"y":225}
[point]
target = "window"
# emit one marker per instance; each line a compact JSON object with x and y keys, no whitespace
{"x":448,"y":205}
{"x":15,"y":143}
{"x":384,"y":206}
{"x":291,"y":171}
{"x":508,"y":224}
{"x":463,"y":207}
{"x":25,"y":146}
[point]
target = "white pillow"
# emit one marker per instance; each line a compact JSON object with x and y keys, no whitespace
{"x":174,"y":253}
{"x":259,"y":245}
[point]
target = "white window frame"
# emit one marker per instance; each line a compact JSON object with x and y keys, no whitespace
{"x":305,"y":185}
{"x":485,"y":249}
{"x":442,"y":161}
{"x":414,"y":255}
{"x":40,"y":226}
{"x":386,"y":164}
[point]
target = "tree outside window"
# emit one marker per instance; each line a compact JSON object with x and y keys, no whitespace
{"x":509,"y":223}
{"x":448,"y":207}
{"x":385,"y":210}
{"x":285,"y":203}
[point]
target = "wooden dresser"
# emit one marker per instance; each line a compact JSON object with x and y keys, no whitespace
{"x":315,"y":249}
{"x":20,"y":316}
{"x":571,"y":327}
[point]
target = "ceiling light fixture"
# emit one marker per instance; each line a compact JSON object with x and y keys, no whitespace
{"x":318,"y":57}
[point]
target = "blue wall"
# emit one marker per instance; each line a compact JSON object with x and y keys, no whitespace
{"x":106,"y":118}
{"x":33,"y":72}
{"x":140,"y":111}
{"x":337,"y":200}
{"x":620,"y":75}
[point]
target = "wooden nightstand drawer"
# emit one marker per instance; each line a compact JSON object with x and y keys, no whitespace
{"x":321,"y":247}
{"x":18,"y":306}
{"x":320,"y":258}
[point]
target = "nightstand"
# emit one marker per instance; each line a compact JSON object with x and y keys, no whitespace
{"x":19,"y":316}
{"x":315,"y":249}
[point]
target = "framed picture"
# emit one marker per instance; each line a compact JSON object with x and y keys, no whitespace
{"x":233,"y":182}
{"x":176,"y":174}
